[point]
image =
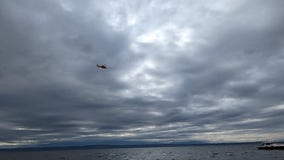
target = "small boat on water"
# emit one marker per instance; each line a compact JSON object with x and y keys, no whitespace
{"x":271,"y":146}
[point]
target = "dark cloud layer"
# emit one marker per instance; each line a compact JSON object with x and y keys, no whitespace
{"x":179,"y":71}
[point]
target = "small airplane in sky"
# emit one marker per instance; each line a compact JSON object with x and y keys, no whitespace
{"x":102,"y":66}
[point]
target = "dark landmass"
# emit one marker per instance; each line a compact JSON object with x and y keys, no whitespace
{"x":83,"y":147}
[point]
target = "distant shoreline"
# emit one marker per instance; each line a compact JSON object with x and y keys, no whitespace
{"x":83,"y":147}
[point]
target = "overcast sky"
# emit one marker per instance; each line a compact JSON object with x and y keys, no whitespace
{"x":179,"y":71}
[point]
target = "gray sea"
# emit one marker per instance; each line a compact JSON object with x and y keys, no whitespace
{"x":201,"y":152}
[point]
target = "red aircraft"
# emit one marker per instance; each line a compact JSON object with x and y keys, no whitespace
{"x":102,"y":66}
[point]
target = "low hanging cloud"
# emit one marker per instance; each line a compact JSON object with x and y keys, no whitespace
{"x":179,"y":72}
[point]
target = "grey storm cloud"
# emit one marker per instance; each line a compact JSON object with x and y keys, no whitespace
{"x":177,"y":71}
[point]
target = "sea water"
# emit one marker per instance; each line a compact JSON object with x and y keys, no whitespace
{"x":197,"y":152}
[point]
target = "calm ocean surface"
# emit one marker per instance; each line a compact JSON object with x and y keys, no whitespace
{"x":205,"y":152}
